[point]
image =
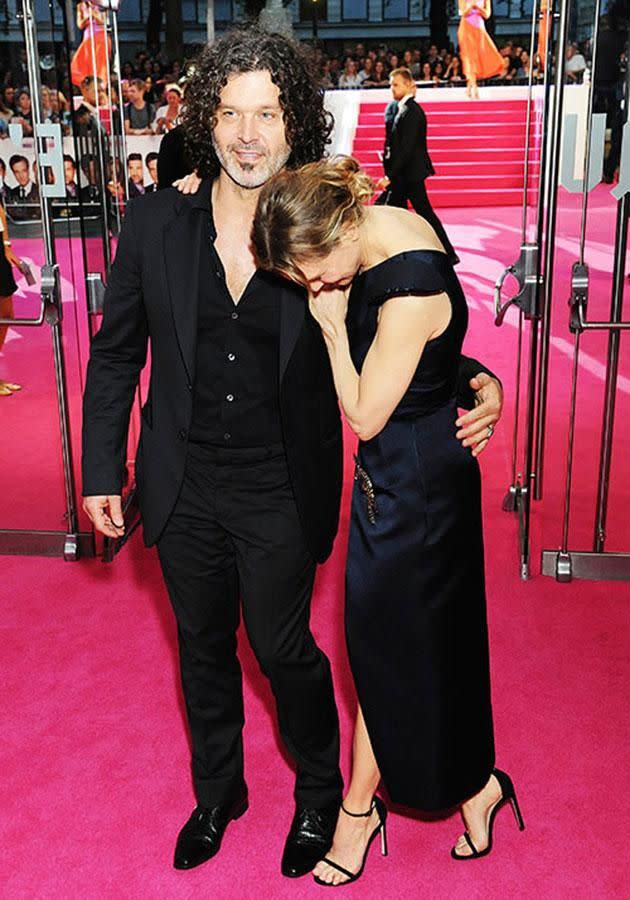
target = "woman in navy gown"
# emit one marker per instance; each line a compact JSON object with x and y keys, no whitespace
{"x":393,"y":317}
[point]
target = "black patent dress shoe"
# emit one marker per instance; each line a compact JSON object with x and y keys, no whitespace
{"x":309,"y":839}
{"x":200,"y":838}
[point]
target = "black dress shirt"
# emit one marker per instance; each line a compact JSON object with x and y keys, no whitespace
{"x":236,"y":392}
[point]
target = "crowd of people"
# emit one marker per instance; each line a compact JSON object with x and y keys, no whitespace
{"x":362,"y":67}
{"x":151,"y":90}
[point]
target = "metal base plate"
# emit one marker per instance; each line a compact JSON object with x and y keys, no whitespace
{"x":47,"y":543}
{"x":586,"y":566}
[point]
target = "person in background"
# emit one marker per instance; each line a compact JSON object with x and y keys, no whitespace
{"x":575,"y":65}
{"x":24,"y":113}
{"x":367,"y":71}
{"x":480,"y":58}
{"x":427,"y":74}
{"x":350,"y":78}
{"x":6,"y":114}
{"x":379,"y":77}
{"x":7,"y":94}
{"x":95,"y":48}
{"x":409,"y":164}
{"x":7,"y":288}
{"x":167,"y":116}
{"x":92,"y":92}
{"x":150,"y":91}
{"x":45,"y":106}
{"x":438,"y":72}
{"x":453,"y":73}
{"x":138,"y":113}
{"x":59,"y":113}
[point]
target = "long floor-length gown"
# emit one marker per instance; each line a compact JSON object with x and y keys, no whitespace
{"x":415,"y":599}
{"x":479,"y":55}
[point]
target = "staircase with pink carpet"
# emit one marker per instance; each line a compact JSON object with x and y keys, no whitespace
{"x":477,"y":149}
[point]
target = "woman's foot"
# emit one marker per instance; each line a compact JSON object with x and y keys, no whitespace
{"x":476,"y":815}
{"x":8,"y":387}
{"x":349,"y":845}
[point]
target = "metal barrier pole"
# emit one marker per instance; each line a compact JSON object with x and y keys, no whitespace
{"x":550,"y":240}
{"x":612,"y":369}
{"x":51,"y":296}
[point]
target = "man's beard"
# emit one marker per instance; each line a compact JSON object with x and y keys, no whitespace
{"x":251,"y":175}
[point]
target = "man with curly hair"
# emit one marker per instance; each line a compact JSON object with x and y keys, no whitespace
{"x":239,"y":467}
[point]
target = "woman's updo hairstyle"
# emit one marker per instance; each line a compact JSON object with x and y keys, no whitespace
{"x":303,"y":212}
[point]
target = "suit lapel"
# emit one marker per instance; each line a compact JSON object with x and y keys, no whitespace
{"x":292,"y":313}
{"x":184,"y":238}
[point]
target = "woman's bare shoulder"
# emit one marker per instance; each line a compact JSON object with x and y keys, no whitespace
{"x":401,"y":229}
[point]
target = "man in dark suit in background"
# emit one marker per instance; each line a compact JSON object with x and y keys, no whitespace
{"x":408,"y":163}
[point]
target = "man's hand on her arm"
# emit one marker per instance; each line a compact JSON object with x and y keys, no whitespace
{"x":105,"y":513}
{"x":473,"y":426}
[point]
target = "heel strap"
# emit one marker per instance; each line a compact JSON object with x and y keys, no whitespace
{"x":362,"y":815}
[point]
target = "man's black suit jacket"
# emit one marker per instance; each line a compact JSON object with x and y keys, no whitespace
{"x":409,"y":158}
{"x":152,"y":293}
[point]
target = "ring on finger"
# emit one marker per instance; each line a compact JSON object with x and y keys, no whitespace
{"x":490,"y":431}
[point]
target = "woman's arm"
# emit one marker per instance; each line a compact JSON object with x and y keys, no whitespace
{"x":405,"y":325}
{"x":6,"y":247}
{"x":83,"y":16}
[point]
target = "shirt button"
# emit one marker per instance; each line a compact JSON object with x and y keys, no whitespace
{"x":229,"y":398}
{"x":235,"y":315}
{"x":182,"y":434}
{"x":227,"y":436}
{"x":231,"y":357}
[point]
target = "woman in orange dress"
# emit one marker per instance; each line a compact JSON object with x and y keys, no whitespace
{"x":95,"y":49}
{"x":480,"y":58}
{"x":543,"y":34}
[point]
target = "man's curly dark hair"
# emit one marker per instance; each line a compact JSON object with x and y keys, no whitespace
{"x":308,"y":124}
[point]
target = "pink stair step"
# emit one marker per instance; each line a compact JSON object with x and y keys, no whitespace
{"x":439,"y":117}
{"x":513,"y":197}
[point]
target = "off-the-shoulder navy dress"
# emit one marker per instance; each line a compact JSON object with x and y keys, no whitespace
{"x":415,"y":603}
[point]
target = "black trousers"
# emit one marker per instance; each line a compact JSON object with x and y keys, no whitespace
{"x":401,"y":191}
{"x":235,"y":536}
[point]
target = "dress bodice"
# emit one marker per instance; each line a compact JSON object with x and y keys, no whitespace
{"x":421,"y":273}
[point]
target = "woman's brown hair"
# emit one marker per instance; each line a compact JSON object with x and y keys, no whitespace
{"x":302,"y":213}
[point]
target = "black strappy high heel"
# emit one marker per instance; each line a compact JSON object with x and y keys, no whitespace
{"x":508,"y":795}
{"x":379,"y":806}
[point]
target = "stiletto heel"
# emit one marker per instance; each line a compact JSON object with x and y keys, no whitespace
{"x":517,"y":813}
{"x":508,"y":795}
{"x":378,"y":805}
{"x":383,"y":839}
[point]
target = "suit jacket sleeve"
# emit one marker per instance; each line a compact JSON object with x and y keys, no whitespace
{"x":117,"y":356}
{"x":468,"y":368}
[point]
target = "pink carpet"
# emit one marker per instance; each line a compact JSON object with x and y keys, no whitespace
{"x":95,"y":759}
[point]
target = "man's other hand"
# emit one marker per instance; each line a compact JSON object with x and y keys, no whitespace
{"x":105,"y":513}
{"x":473,"y":426}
